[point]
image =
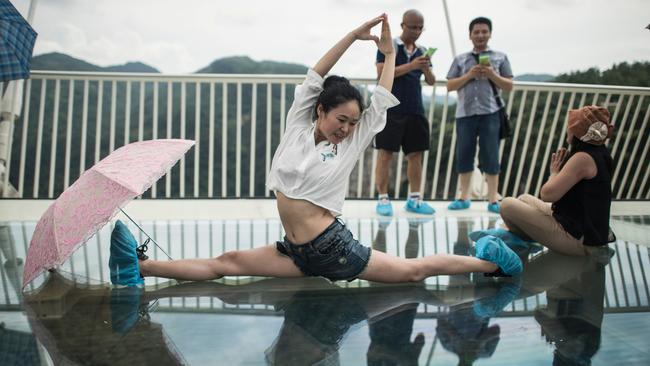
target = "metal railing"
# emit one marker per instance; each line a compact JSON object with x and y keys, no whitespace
{"x":71,"y":120}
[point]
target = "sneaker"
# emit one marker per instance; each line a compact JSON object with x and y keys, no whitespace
{"x":508,"y":237}
{"x":123,"y":262}
{"x":419,"y":207}
{"x":491,"y":306}
{"x":384,"y":208}
{"x":459,"y":205}
{"x":493,"y":249}
{"x":494,"y":207}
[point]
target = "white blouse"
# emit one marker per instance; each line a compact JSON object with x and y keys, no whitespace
{"x":320,"y":173}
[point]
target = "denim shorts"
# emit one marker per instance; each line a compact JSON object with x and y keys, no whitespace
{"x":486,"y":128}
{"x":334,"y":254}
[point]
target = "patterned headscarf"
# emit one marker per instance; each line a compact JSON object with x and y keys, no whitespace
{"x":590,"y":124}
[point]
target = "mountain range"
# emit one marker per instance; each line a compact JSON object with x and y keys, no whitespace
{"x":228,"y":65}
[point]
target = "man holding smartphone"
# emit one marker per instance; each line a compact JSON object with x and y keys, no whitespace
{"x":478,"y":75}
{"x":406,"y":126}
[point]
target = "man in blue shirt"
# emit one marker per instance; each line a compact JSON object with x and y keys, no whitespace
{"x":477,"y":75}
{"x":406,"y":126}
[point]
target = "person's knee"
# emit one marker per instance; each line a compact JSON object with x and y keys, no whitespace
{"x":229,"y":261}
{"x":384,"y":156}
{"x":526,"y":197}
{"x":414,"y":274}
{"x":507,"y":206}
{"x":414,"y":157}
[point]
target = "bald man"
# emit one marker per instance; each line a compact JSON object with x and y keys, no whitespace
{"x":406,"y":126}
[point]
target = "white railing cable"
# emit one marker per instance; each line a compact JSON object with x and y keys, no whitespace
{"x":68,"y":136}
{"x":514,"y":138}
{"x":268,"y":136}
{"x":211,"y":123}
{"x":39,"y":140}
{"x":644,"y":156}
{"x":620,"y":164}
{"x":55,"y":128}
{"x":183,"y":122}
{"x":511,"y":96}
{"x":238,"y":143}
{"x":398,"y":172}
{"x":522,"y":158}
{"x":23,"y":141}
{"x":441,"y":136}
{"x":168,"y":176}
{"x":111,"y":144}
{"x":538,"y":141}
{"x":224,"y":140}
{"x":632,"y":159}
{"x":197,"y":136}
{"x":253,"y":142}
{"x":127,"y":114}
{"x":141,"y":113}
{"x":154,"y":128}
{"x":621,"y":126}
{"x":283,"y":98}
{"x":84,"y":129}
{"x":360,"y":162}
{"x":450,"y":160}
{"x":425,"y":160}
{"x":549,"y":141}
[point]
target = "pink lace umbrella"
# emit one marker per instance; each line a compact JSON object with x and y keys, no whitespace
{"x":93,"y":200}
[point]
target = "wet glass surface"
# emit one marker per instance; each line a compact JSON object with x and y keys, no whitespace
{"x":562,"y":310}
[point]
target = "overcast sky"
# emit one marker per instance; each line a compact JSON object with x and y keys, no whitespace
{"x":539,"y":36}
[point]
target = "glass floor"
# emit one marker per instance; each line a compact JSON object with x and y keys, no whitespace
{"x":562,"y":310}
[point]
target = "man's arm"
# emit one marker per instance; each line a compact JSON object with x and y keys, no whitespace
{"x":504,"y":83}
{"x":459,"y":82}
{"x":399,"y":70}
{"x":417,"y":63}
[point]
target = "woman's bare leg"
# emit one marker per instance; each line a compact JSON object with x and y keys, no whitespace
{"x":265,"y":261}
{"x":387,"y":268}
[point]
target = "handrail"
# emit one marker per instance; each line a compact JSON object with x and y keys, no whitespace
{"x":238,"y":120}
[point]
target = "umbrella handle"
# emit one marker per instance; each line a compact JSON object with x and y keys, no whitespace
{"x":145,"y":233}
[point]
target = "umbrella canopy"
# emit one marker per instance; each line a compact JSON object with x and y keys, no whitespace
{"x":94,"y":198}
{"x":16,"y":43}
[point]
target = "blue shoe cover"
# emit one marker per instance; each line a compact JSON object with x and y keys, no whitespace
{"x":418,"y":207}
{"x":123,"y":262}
{"x":384,"y":208}
{"x":494,"y":207}
{"x":491,"y":306}
{"x":459,"y":205}
{"x":493,"y":249}
{"x":511,"y":239}
{"x":125,"y":307}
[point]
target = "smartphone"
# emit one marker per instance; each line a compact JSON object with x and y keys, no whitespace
{"x":430,"y":52}
{"x":484,"y":59}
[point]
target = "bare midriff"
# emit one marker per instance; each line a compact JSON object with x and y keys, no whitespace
{"x":302,"y":220}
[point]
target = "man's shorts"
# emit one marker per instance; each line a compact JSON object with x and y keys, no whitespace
{"x":334,"y":254}
{"x":486,"y":128}
{"x":409,"y":131}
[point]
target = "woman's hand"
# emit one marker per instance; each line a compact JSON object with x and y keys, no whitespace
{"x":363,"y":32}
{"x":385,"y":43}
{"x":556,"y":160}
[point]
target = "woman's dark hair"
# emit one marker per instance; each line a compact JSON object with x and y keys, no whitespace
{"x":480,"y":20}
{"x":336,"y":91}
